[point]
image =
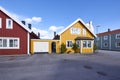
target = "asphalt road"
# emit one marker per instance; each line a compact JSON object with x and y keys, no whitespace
{"x":98,"y":66}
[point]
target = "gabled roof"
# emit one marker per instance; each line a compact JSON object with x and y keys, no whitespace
{"x":109,"y":32}
{"x":78,"y":20}
{"x":8,"y":14}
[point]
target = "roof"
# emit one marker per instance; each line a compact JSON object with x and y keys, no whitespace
{"x":78,"y":20}
{"x":109,"y":32}
{"x":83,"y":38}
{"x":34,"y":35}
{"x":8,"y":14}
{"x":57,"y":37}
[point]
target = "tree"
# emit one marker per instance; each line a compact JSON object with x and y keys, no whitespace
{"x":63,"y":48}
{"x":75,"y":47}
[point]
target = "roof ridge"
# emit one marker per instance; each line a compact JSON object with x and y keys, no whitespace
{"x":8,"y":14}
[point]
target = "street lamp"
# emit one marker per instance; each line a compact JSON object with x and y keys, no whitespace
{"x":97,"y":37}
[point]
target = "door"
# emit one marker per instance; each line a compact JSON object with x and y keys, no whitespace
{"x":41,"y":47}
{"x":53,"y":47}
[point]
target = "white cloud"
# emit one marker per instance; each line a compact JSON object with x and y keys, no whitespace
{"x":33,"y":20}
{"x":44,"y":34}
{"x":55,"y":28}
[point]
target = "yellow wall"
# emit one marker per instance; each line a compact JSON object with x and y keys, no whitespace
{"x":50,"y":45}
{"x":66,"y":35}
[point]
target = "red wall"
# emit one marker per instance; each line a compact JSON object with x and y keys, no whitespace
{"x":17,"y":31}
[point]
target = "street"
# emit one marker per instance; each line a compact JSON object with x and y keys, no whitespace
{"x":99,"y":66}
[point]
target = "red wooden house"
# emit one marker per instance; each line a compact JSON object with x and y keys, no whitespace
{"x":14,"y":35}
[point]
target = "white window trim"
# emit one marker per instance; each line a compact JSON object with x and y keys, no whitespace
{"x":75,"y":30}
{"x":105,"y":37}
{"x":8,"y":38}
{"x":7,"y":27}
{"x":116,"y":44}
{"x":117,"y":35}
{"x":104,"y":44}
{"x":84,"y":32}
{"x":87,"y":43}
{"x":66,"y":43}
{"x":0,"y":22}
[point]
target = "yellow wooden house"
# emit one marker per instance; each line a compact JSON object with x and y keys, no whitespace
{"x":78,"y":32}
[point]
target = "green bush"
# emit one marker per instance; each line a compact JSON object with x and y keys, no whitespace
{"x":95,"y":48}
{"x":63,"y":48}
{"x":75,"y":47}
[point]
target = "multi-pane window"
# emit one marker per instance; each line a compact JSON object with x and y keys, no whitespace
{"x":9,"y":23}
{"x":117,"y":44}
{"x":75,"y":30}
{"x":78,"y":43}
{"x":69,"y":44}
{"x":84,"y":32}
{"x":105,"y":37}
{"x":117,"y":36}
{"x":84,"y":44}
{"x":87,"y":44}
{"x":9,"y":43}
{"x":0,"y":22}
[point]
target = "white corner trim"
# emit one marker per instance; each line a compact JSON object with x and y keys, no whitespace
{"x":28,"y":42}
{"x":81,"y":46}
{"x":0,"y":22}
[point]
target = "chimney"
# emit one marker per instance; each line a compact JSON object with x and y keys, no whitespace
{"x":29,"y":26}
{"x":23,"y":22}
{"x":90,"y":23}
{"x":38,"y":34}
{"x":108,"y":30}
{"x":54,"y":34}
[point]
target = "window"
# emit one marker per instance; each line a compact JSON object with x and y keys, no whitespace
{"x":9,"y":43}
{"x":105,"y":37}
{"x":78,"y":43}
{"x":9,"y":23}
{"x":87,"y":44}
{"x":117,"y":44}
{"x":117,"y":36}
{"x":0,"y":22}
{"x":84,"y":44}
{"x":105,"y":44}
{"x":84,"y":32}
{"x":4,"y":42}
{"x":69,"y":43}
{"x":75,"y":30}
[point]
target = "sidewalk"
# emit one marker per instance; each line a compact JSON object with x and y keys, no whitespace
{"x":112,"y":53}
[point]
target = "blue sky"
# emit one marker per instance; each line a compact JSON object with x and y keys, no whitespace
{"x":49,"y":15}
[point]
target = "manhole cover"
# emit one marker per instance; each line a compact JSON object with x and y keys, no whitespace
{"x":101,"y":73}
{"x":87,"y":67}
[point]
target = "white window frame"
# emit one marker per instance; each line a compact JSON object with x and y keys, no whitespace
{"x":67,"y":45}
{"x":75,"y":30}
{"x":117,"y":36}
{"x":87,"y":41}
{"x":84,"y":32}
{"x":7,"y":24}
{"x":116,"y":44}
{"x":105,"y":37}
{"x":8,"y":43}
{"x":78,"y":43}
{"x":105,"y":43}
{"x":0,"y":22}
